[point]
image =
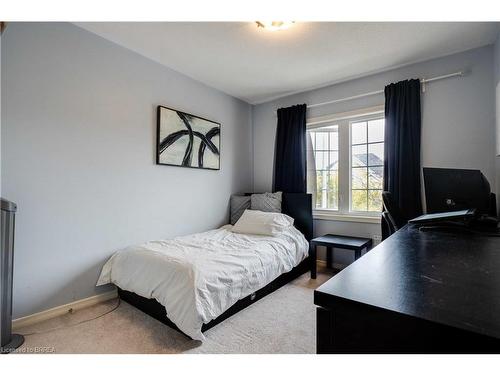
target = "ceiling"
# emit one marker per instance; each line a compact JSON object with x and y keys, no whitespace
{"x":257,"y":65}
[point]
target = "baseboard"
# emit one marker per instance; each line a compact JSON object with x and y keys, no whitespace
{"x":63,"y":309}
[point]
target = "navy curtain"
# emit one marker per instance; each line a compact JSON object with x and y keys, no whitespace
{"x":402,"y":146}
{"x":290,"y":151}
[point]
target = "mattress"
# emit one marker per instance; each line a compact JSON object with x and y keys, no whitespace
{"x":199,"y":276}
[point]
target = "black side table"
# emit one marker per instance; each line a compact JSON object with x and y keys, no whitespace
{"x":340,"y":242}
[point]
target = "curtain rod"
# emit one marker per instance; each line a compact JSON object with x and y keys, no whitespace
{"x":423,"y":81}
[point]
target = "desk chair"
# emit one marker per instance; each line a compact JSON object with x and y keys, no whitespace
{"x":392,"y":218}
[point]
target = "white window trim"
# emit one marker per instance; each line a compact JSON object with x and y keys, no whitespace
{"x":331,"y":215}
{"x":343,"y":120}
{"x":317,"y":122}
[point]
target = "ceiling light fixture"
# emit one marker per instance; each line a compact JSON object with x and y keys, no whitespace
{"x":274,"y":25}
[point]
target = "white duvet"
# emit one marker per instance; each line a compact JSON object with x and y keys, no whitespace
{"x":198,"y":277}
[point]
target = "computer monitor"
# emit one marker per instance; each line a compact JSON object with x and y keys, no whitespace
{"x":456,"y":189}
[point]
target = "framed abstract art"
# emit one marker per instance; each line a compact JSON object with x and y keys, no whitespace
{"x":186,"y":140}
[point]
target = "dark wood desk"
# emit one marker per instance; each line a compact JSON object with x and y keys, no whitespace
{"x":416,"y":292}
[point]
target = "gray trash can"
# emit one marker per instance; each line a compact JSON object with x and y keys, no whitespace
{"x":9,"y":341}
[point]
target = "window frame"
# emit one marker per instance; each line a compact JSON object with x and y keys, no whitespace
{"x":338,"y":160}
{"x":367,"y":118}
{"x":344,"y":121}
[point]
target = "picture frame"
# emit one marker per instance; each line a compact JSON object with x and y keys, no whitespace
{"x":186,"y":140}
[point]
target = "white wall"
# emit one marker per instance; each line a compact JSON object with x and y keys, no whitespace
{"x":78,"y":152}
{"x":457,"y":122}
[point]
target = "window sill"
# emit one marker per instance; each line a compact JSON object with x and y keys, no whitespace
{"x":330,"y":216}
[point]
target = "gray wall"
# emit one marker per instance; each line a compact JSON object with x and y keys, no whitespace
{"x":0,"y":117}
{"x":457,"y":121}
{"x":496,"y":49}
{"x":78,"y":135}
{"x":496,"y":93}
{"x":78,"y":151}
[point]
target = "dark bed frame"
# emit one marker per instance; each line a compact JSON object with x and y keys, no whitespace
{"x":296,"y":205}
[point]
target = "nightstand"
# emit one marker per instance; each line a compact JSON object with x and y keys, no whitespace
{"x":331,"y":241}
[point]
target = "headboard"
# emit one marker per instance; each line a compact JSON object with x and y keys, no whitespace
{"x":298,"y":206}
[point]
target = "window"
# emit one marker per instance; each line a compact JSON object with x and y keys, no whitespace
{"x":367,"y":165}
{"x":345,"y":162}
{"x":325,"y":146}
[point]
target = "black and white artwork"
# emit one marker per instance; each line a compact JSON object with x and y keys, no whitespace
{"x":186,"y":140}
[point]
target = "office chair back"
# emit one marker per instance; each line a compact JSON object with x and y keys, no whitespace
{"x":493,"y":205}
{"x":387,"y":227}
{"x":392,"y":219}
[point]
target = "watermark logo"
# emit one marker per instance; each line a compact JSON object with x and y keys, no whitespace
{"x":30,"y":350}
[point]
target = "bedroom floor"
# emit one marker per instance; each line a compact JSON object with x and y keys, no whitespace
{"x":282,"y":322}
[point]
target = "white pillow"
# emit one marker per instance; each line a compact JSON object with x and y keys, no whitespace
{"x":264,"y":223}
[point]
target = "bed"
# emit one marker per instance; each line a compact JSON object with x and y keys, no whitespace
{"x":194,"y":282}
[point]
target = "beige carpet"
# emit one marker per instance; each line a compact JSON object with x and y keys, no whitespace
{"x":282,"y":322}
